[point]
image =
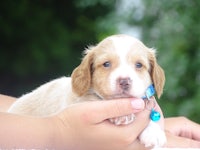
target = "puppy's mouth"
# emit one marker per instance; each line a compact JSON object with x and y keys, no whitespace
{"x":120,"y":96}
{"x":117,"y":95}
{"x":123,"y":94}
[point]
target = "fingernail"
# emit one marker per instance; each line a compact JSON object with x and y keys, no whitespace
{"x":137,"y":104}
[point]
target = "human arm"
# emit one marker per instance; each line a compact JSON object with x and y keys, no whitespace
{"x":23,"y":131}
{"x":5,"y":102}
{"x":81,"y":126}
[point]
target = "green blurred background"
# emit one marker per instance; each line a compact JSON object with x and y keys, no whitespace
{"x":43,"y":39}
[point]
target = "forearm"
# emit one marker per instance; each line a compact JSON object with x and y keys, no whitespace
{"x":26,"y":132}
{"x":6,"y":102}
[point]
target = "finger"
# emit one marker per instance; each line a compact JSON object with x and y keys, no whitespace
{"x":181,"y":142}
{"x":102,"y":110}
{"x":190,"y":129}
{"x":184,"y":127}
{"x":125,"y":133}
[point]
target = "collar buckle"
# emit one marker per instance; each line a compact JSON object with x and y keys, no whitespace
{"x":149,"y":92}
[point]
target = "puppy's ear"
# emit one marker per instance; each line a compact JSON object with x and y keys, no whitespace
{"x":157,"y":73}
{"x":81,"y":76}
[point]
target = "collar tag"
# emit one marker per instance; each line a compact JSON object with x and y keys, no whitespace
{"x":149,"y":92}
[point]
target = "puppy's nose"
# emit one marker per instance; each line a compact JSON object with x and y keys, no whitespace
{"x":124,"y":83}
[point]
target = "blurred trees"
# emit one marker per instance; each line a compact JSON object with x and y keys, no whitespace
{"x":41,"y":40}
{"x":173,"y":28}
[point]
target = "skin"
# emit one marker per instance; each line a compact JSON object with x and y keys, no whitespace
{"x":81,"y":126}
{"x":5,"y":102}
{"x":183,"y":131}
{"x":84,"y":126}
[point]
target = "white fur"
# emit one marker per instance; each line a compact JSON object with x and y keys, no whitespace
{"x":58,"y":94}
{"x":153,"y":134}
{"x":123,"y":46}
{"x":50,"y":98}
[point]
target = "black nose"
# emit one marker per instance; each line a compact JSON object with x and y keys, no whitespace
{"x":124,"y":83}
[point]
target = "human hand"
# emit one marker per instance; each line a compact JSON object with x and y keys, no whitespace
{"x":182,"y":132}
{"x":86,"y":126}
{"x":6,"y":102}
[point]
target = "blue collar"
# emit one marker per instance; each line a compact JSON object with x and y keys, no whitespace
{"x":149,"y":92}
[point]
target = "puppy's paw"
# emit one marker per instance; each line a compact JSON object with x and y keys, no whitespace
{"x":123,"y":120}
{"x":153,"y":136}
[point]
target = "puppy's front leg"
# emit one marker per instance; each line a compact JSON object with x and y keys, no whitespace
{"x":153,"y":135}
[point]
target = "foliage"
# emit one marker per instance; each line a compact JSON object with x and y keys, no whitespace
{"x":44,"y":39}
{"x":173,"y":28}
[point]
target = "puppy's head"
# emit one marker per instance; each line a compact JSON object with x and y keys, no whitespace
{"x":119,"y":66}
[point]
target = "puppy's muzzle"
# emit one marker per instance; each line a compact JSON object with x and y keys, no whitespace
{"x":124,"y":83}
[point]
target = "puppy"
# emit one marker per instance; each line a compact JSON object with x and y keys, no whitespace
{"x":120,"y":66}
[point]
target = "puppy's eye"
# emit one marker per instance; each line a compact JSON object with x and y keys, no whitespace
{"x":107,"y":64}
{"x":138,"y":65}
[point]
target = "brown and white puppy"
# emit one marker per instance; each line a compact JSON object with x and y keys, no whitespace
{"x":120,"y":66}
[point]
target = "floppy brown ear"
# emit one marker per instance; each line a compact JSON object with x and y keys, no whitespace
{"x":157,"y":74}
{"x":81,"y":76}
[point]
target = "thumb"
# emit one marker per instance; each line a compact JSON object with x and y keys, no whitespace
{"x":103,"y":110}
